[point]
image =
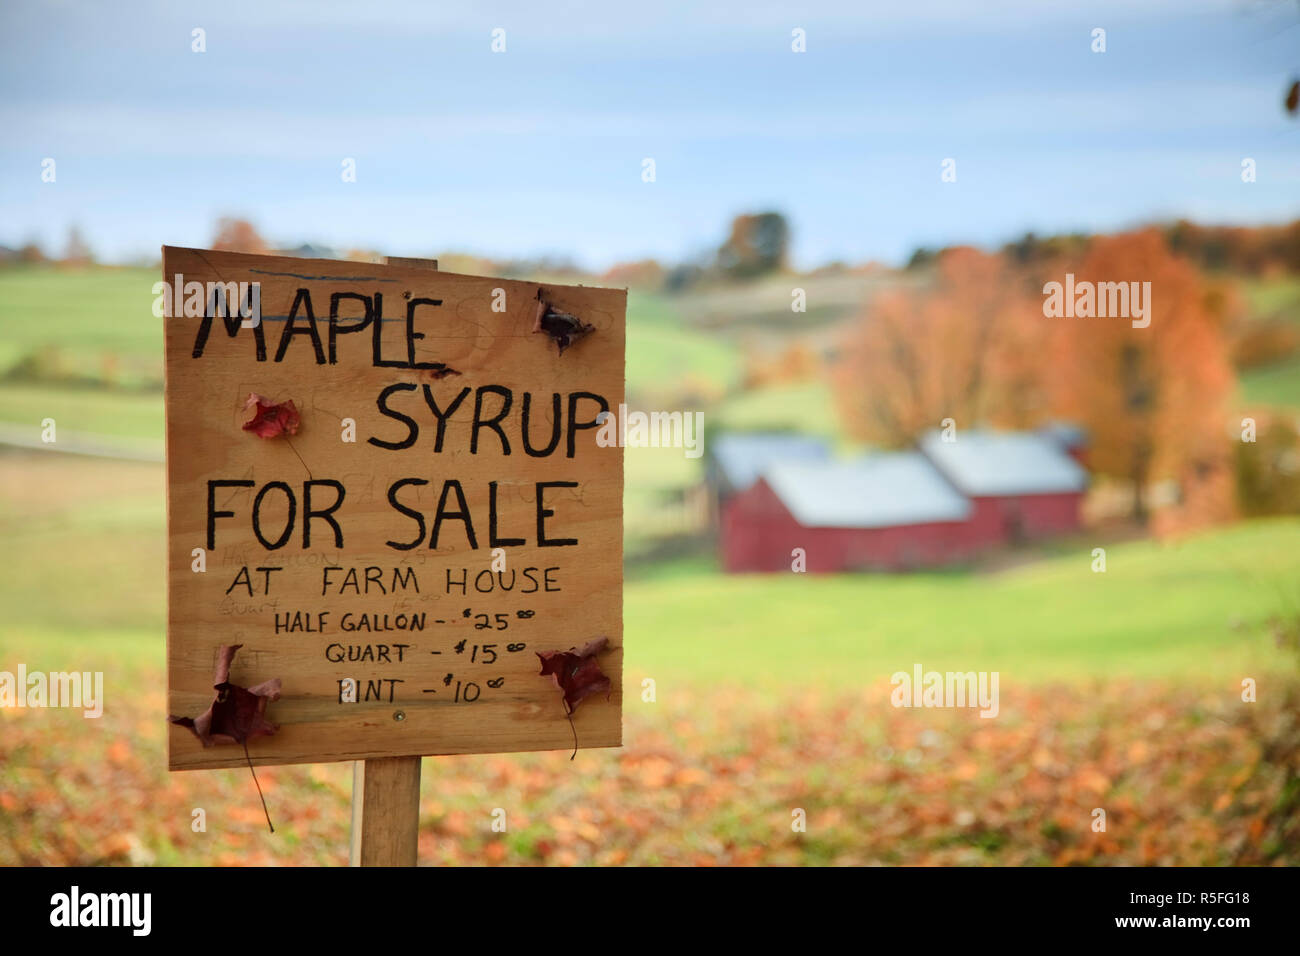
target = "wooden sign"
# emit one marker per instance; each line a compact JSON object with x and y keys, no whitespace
{"x":442,"y":513}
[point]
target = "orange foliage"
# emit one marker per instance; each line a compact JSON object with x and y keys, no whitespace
{"x":238,"y":235}
{"x":796,"y":363}
{"x":976,"y":346}
{"x":1153,"y":399}
{"x":967,"y":347}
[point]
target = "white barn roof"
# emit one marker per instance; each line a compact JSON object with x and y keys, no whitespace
{"x":878,"y":491}
{"x":743,"y":457}
{"x":985,"y":463}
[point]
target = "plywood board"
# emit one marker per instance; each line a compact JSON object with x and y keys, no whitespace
{"x":441,"y":647}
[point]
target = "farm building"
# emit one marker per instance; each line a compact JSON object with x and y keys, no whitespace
{"x":735,"y":461}
{"x":944,"y":502}
{"x":1022,"y":485}
{"x":887,"y":511}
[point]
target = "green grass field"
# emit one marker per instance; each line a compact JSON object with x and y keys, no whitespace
{"x":96,"y":411}
{"x":807,"y":407}
{"x":664,"y":354}
{"x":1190,"y":611}
{"x":1269,"y":298}
{"x":1277,"y":384}
{"x":85,"y":311}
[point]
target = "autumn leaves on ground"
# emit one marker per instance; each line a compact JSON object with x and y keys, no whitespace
{"x":1183,"y":777}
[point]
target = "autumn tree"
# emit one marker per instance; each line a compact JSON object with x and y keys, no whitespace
{"x":757,"y":244}
{"x":1152,"y":398}
{"x":31,"y":253}
{"x":966,"y":346}
{"x":238,"y":235}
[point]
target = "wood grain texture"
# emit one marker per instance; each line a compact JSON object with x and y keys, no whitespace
{"x":205,"y":441}
{"x":385,"y":812}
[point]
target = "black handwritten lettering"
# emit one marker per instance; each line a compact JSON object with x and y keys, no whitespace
{"x":555,"y":426}
{"x":336,"y":329}
{"x":289,"y":520}
{"x":412,"y":427}
{"x":461,"y":515}
{"x":494,"y":423}
{"x":544,"y":512}
{"x":441,"y":415}
{"x":213,"y":513}
{"x":303,"y":298}
{"x":328,"y":514}
{"x":574,"y":425}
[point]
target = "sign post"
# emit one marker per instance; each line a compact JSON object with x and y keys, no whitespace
{"x":440,"y":504}
{"x":385,"y":811}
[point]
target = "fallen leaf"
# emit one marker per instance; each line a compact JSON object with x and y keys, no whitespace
{"x":271,"y":418}
{"x":576,"y":672}
{"x":237,"y":714}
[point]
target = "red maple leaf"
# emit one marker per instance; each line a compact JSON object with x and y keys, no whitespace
{"x":237,"y":714}
{"x":577,"y":673}
{"x":271,"y":418}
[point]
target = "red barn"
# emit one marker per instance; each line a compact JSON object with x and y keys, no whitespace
{"x":735,"y":461}
{"x":947,"y":502}
{"x":1023,"y":486}
{"x":888,"y":511}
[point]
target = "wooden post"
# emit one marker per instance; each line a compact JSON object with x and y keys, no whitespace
{"x":385,"y":811}
{"x":386,"y":790}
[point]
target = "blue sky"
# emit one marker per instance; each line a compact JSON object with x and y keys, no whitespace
{"x":538,"y":150}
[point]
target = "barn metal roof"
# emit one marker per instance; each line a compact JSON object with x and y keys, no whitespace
{"x":742,"y":457}
{"x":876,"y":491}
{"x":982,"y":463}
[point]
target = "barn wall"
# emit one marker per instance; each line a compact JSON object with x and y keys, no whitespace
{"x":1030,"y":517}
{"x":751,"y":521}
{"x":759,"y":533}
